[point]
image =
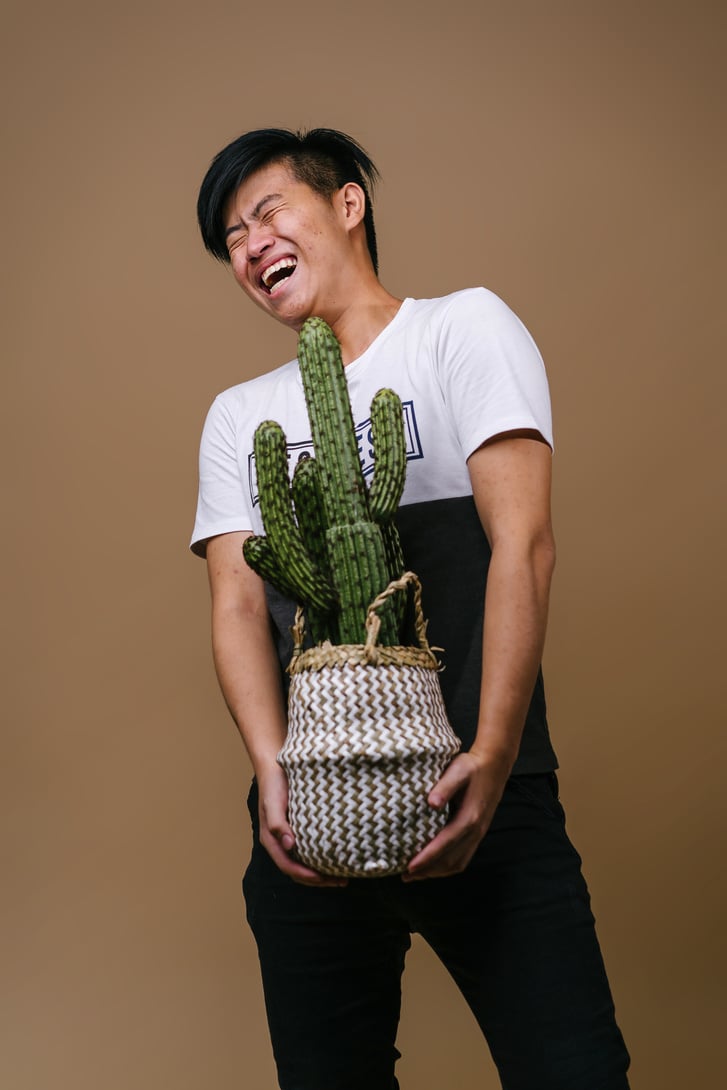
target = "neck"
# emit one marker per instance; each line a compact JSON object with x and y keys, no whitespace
{"x":359,"y":317}
{"x":359,"y":324}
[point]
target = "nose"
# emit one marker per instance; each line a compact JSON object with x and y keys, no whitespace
{"x":259,"y":239}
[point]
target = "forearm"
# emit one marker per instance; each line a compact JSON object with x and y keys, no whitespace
{"x":516,"y":610}
{"x":249,"y":676}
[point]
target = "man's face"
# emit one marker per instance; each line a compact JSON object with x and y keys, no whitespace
{"x":288,"y":245}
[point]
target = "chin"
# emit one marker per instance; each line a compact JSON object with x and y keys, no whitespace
{"x":292,"y":321}
{"x":292,"y":315}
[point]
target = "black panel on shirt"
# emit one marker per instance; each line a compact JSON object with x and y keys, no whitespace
{"x":444,"y":543}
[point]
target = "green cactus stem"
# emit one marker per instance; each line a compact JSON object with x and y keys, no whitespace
{"x":340,"y":548}
{"x":359,"y":570}
{"x":345,"y":499}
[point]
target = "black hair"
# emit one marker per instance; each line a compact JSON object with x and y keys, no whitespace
{"x":322,"y":158}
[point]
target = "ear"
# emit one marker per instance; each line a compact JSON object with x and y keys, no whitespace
{"x":352,"y":203}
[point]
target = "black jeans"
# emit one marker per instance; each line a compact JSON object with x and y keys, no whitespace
{"x":515,"y":930}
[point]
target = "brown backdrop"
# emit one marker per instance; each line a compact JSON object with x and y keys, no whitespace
{"x":567,"y":155}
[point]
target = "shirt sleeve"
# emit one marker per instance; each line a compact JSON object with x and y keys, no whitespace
{"x":491,"y":372}
{"x":223,"y":502}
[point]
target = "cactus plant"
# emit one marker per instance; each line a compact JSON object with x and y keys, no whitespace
{"x":330,"y":542}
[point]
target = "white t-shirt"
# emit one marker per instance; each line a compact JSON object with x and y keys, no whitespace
{"x":465,"y":368}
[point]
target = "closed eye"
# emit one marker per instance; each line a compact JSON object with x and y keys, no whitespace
{"x":237,"y":240}
{"x":268,"y":215}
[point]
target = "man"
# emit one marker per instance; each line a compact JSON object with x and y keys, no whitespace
{"x":498,"y":893}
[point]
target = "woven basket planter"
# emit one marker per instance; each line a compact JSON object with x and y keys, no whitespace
{"x":368,"y":737}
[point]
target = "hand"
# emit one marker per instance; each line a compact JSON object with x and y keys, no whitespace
{"x":276,"y":835}
{"x":474,"y":786}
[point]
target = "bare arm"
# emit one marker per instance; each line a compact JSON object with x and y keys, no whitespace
{"x":249,"y":675}
{"x":511,"y":487}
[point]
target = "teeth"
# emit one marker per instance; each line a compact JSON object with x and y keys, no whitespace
{"x":284,"y":263}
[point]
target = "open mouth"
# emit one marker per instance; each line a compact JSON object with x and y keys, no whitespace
{"x":276,"y":275}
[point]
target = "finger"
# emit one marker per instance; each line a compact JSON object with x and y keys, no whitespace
{"x":441,"y":870}
{"x":449,"y":851}
{"x":451,"y":860}
{"x":434,"y":848}
{"x":462,"y":823}
{"x":278,"y":839}
{"x":284,"y":836}
{"x":454,"y":778}
{"x":446,"y":845}
{"x":299,"y":872}
{"x":275,"y":818}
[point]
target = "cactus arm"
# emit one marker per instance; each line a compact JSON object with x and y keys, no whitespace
{"x":271,"y":461}
{"x":396,"y":567}
{"x":259,"y":556}
{"x":308,"y":501}
{"x":392,"y":547}
{"x":387,"y":433}
{"x":389,"y":443}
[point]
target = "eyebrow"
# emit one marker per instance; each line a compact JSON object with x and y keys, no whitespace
{"x":255,"y":212}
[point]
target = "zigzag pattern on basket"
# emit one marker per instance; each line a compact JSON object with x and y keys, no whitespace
{"x":388,"y":712}
{"x":365,"y":746}
{"x":367,"y":824}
